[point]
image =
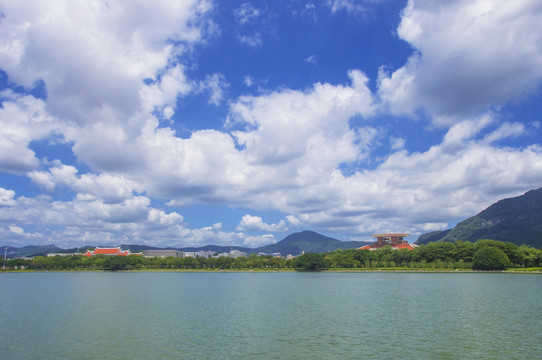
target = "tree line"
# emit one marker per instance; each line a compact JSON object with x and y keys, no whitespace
{"x":482,"y":255}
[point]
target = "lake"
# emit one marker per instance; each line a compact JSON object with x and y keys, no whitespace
{"x":181,"y":315}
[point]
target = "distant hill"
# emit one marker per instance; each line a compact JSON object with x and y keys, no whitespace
{"x":218,"y":248}
{"x":309,"y":241}
{"x":517,"y":220}
{"x":295,"y":244}
{"x":29,"y":251}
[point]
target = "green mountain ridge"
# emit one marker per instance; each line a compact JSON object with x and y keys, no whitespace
{"x":517,"y":220}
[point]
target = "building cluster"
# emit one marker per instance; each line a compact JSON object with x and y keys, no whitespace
{"x":185,"y":254}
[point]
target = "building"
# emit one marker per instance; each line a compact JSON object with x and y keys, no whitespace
{"x":162,"y":253}
{"x":203,"y":253}
{"x":62,"y":254}
{"x":395,"y":240}
{"x":110,"y":251}
{"x":275,"y":254}
{"x":234,"y":254}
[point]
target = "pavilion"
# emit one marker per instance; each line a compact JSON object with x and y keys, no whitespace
{"x":395,"y":240}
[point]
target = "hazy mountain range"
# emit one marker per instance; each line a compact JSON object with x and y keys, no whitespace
{"x":295,"y":244}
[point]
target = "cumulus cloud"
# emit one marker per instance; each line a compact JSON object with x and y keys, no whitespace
{"x":80,"y":220}
{"x":108,"y":187}
{"x":257,"y":241}
{"x":105,"y":67}
{"x":7,"y":197}
{"x":416,"y":190}
{"x":113,"y":73}
{"x":163,"y":92}
{"x":97,"y":54}
{"x":23,"y":119}
{"x":288,"y":124}
{"x":255,"y":223}
{"x":292,"y":128}
{"x":491,"y":57}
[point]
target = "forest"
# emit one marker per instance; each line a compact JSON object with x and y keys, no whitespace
{"x":481,"y":255}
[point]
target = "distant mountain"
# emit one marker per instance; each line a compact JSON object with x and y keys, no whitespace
{"x":218,"y":248}
{"x":28,"y":251}
{"x":295,"y":244}
{"x":517,"y":220}
{"x":309,"y":241}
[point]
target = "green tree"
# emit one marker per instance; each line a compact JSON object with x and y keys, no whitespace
{"x":490,"y":258}
{"x":312,"y":262}
{"x":527,"y":256}
{"x":507,"y":247}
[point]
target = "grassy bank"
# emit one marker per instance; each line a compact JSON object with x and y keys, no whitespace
{"x":533,"y":270}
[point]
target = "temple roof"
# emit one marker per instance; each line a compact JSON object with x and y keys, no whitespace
{"x":390,"y":235}
{"x":106,"y":251}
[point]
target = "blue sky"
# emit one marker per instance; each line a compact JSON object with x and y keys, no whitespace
{"x":236,"y":123}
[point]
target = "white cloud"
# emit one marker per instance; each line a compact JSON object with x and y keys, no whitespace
{"x":248,"y":80}
{"x":108,"y":69}
{"x":7,"y":197}
{"x":257,"y":241}
{"x":397,"y":143}
{"x":23,"y":119}
{"x":255,"y":223}
{"x":93,"y":221}
{"x":16,"y":229}
{"x":287,"y":125}
{"x":506,"y":130}
{"x":214,"y":84}
{"x":259,"y":83}
{"x":252,"y":24}
{"x":107,"y":187}
{"x":165,"y":90}
{"x":93,"y":57}
{"x":246,"y":13}
{"x":491,"y":57}
{"x":311,"y":60}
{"x":252,"y":40}
{"x":424,"y":188}
{"x":348,"y":5}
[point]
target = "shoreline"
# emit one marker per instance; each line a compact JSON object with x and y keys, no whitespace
{"x":536,"y":271}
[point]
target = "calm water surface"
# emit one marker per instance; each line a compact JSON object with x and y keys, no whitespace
{"x":270,"y":316}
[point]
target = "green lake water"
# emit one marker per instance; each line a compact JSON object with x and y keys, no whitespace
{"x":147,"y":315}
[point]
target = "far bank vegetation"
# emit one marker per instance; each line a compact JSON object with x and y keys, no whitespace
{"x":482,"y":255}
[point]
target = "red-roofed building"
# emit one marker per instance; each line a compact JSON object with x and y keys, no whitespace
{"x":395,"y":240}
{"x":111,"y":251}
